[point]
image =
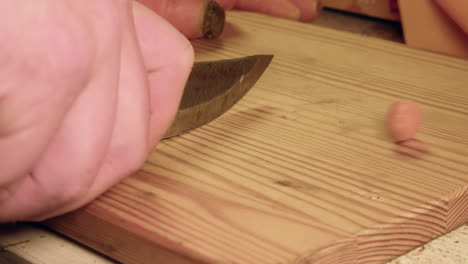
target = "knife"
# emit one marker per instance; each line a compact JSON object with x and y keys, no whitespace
{"x":213,"y":87}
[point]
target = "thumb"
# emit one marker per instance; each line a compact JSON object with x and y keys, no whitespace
{"x":168,"y":59}
{"x":193,"y":18}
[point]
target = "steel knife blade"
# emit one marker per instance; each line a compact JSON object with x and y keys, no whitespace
{"x":213,"y":87}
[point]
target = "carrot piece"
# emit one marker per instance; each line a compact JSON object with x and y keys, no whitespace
{"x":404,"y":120}
{"x":193,"y":18}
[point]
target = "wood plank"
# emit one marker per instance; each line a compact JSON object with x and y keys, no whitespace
{"x":26,"y":244}
{"x":301,"y":170}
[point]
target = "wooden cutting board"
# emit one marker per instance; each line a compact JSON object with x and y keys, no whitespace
{"x":301,"y":170}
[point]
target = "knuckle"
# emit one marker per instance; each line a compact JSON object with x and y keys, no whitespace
{"x":61,"y":50}
{"x":127,"y":160}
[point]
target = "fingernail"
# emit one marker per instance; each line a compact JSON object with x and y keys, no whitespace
{"x":213,"y":22}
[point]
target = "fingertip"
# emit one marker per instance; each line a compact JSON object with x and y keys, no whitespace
{"x":165,"y":99}
{"x":168,"y":61}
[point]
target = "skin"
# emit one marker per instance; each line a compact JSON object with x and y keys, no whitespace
{"x":81,"y":112}
{"x":178,"y":12}
{"x":457,"y":10}
{"x":280,"y":8}
{"x":303,"y":10}
{"x":87,"y":90}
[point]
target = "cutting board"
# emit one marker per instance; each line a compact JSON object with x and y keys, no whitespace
{"x":301,"y":170}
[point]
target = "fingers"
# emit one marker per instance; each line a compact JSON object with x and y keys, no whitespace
{"x":193,"y":18}
{"x":69,"y":165}
{"x":149,"y":94}
{"x":127,"y":148}
{"x":38,"y":89}
{"x":205,"y":18}
{"x":279,"y":8}
{"x":31,"y":108}
{"x":168,"y":63}
{"x":303,"y":10}
{"x":457,"y":10}
{"x":310,"y":9}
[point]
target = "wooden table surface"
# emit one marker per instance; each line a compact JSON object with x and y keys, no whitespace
{"x":34,"y":249}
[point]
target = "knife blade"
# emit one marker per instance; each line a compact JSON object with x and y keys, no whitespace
{"x":213,"y":87}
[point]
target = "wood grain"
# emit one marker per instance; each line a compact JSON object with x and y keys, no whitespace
{"x":301,"y":170}
{"x":38,"y":245}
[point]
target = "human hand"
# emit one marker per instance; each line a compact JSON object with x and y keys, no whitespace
{"x":457,"y":10}
{"x":87,"y":89}
{"x":205,"y":18}
{"x":303,"y":10}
